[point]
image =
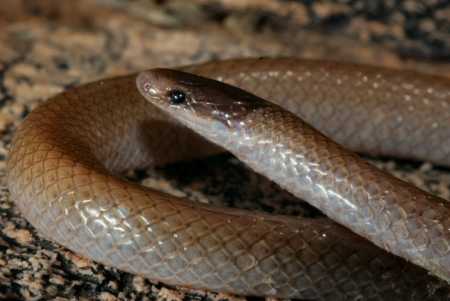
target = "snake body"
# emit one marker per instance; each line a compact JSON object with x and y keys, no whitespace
{"x":65,"y":158}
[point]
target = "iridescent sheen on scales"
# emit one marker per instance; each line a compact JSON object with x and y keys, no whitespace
{"x":65,"y":157}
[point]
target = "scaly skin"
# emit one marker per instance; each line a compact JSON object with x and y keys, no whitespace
{"x":65,"y":156}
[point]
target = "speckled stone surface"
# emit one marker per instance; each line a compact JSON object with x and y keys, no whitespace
{"x":48,"y":46}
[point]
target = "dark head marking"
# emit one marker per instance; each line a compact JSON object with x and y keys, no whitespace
{"x":197,"y":97}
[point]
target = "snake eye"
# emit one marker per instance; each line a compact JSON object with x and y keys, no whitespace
{"x":177,"y":97}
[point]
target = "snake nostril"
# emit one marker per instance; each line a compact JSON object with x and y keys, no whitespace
{"x":146,"y":87}
{"x":144,"y":82}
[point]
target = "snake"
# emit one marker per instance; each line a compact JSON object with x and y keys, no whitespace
{"x":302,"y":123}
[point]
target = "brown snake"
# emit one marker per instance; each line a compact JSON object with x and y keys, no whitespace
{"x":66,"y":155}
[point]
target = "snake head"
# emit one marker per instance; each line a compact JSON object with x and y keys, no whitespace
{"x":207,"y":106}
